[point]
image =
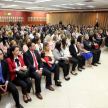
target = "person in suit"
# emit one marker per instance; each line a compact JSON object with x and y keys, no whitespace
{"x":89,"y":45}
{"x":5,"y":83}
{"x":74,"y":51}
{"x":16,"y":63}
{"x":33,"y":60}
{"x":19,"y":41}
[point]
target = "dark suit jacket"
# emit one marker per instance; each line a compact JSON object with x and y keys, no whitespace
{"x":106,"y":41}
{"x":87,"y":46}
{"x":5,"y":70}
{"x":28,"y":59}
{"x":73,"y":51}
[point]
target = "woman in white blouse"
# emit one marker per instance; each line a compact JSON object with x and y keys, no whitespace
{"x":39,"y":45}
{"x":66,"y":52}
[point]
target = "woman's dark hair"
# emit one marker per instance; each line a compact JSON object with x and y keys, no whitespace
{"x":58,"y":45}
{"x":64,"y":42}
{"x":36,"y":39}
{"x":11,"y":54}
{"x":3,"y":40}
{"x":91,"y":38}
{"x":79,"y":38}
{"x":72,"y":41}
{"x":42,"y":38}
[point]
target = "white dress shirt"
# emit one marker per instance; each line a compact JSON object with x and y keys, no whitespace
{"x":76,"y":49}
{"x":33,"y":60}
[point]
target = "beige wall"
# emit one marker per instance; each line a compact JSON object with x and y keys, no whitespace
{"x":78,"y":18}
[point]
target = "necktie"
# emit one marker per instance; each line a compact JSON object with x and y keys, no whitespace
{"x":17,"y":61}
{"x":1,"y":76}
{"x":35,"y":60}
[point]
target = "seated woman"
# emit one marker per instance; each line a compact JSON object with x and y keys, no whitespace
{"x":68,"y":39}
{"x":16,"y":63}
{"x":67,"y":53}
{"x":48,"y":39}
{"x":39,"y":45}
{"x":76,"y":54}
{"x":87,"y":54}
{"x":25,"y":48}
{"x":62,"y":60}
{"x":53,"y":67}
{"x":42,"y":37}
{"x":55,"y":39}
{"x":12,"y":43}
{"x":4,"y":45}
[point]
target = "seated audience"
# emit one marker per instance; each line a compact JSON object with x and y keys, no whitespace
{"x":76,"y":54}
{"x":87,"y":54}
{"x":68,"y":39}
{"x":39,"y":45}
{"x":42,"y":37}
{"x":89,"y":46}
{"x":33,"y":60}
{"x":66,"y":52}
{"x":19,"y":41}
{"x":35,"y":36}
{"x":48,"y":39}
{"x":5,"y":83}
{"x":63,"y":61}
{"x":4,"y":45}
{"x":16,"y":63}
{"x":50,"y":63}
{"x":25,"y":48}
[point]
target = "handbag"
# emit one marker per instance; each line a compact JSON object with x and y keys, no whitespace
{"x":96,"y":46}
{"x":23,"y":74}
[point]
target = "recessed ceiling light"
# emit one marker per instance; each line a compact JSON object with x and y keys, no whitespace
{"x":23,"y":2}
{"x":2,"y":4}
{"x":9,"y":6}
{"x":7,"y":0}
{"x":91,"y":6}
{"x":38,"y":1}
{"x":64,"y":4}
{"x":71,"y":4}
{"x":34,"y":7}
{"x":79,"y":4}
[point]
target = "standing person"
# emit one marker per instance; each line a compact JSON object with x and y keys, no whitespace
{"x":66,"y":52}
{"x":62,"y":60}
{"x":5,"y":83}
{"x":16,"y":63}
{"x":76,"y":54}
{"x":33,"y":60}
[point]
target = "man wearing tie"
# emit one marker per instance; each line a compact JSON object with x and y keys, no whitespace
{"x":33,"y":60}
{"x":5,"y":83}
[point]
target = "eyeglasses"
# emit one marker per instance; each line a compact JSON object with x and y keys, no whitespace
{"x":1,"y":53}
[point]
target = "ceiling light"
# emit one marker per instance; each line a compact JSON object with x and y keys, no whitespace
{"x":23,"y":2}
{"x":51,"y":9}
{"x":64,"y":4}
{"x":9,"y":6}
{"x":73,"y":8}
{"x":71,"y":4}
{"x":34,"y":7}
{"x":56,"y":5}
{"x":2,"y":4}
{"x":38,"y":1}
{"x":7,"y":0}
{"x":91,"y":6}
{"x":79,"y":4}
